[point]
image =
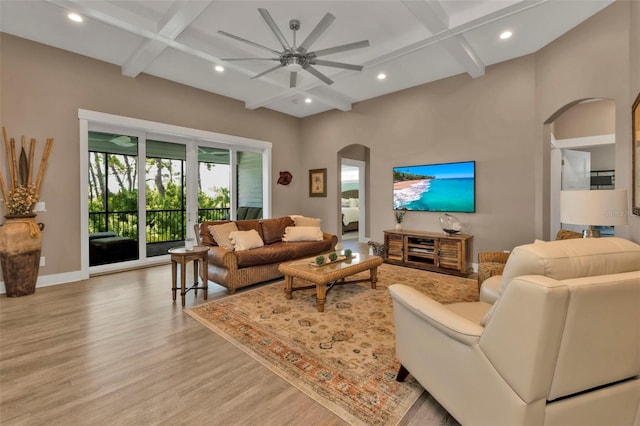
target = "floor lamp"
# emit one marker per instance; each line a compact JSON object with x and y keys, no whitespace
{"x":594,"y":208}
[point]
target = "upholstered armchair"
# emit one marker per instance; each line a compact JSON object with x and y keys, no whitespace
{"x":561,"y":345}
{"x":491,"y":264}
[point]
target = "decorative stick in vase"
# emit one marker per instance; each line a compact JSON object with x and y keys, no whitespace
{"x":2,"y":185}
{"x":3,"y":188}
{"x":32,"y":149}
{"x":43,"y":165}
{"x":7,"y":148}
{"x":23,"y":164}
{"x":14,"y":164}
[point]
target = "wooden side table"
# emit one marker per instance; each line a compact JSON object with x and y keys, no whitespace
{"x":183,"y":256}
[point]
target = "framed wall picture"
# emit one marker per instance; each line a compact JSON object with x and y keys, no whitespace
{"x":318,"y":183}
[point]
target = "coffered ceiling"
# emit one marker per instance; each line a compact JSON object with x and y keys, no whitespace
{"x":411,"y":41}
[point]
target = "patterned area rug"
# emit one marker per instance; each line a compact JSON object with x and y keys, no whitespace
{"x":343,"y":358}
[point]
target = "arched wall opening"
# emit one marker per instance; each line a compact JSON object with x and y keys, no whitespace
{"x":582,"y":132}
{"x":355,"y":155}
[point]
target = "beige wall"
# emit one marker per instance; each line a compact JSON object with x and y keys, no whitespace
{"x":42,"y":89}
{"x":603,"y":157}
{"x":586,"y":119}
{"x":488,"y":120}
{"x":496,"y":120}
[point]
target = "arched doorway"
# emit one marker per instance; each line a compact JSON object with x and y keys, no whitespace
{"x":581,"y":133}
{"x":353,"y":190}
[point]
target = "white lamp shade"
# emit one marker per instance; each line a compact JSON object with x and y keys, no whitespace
{"x":597,"y":207}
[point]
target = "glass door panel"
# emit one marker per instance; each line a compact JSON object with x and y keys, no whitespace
{"x":165,"y":200}
{"x":249,"y":185}
{"x":113,"y":198}
{"x":214,"y":184}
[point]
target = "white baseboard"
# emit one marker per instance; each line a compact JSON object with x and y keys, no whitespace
{"x":54,"y":279}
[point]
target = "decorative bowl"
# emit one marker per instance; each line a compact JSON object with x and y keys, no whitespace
{"x":450,"y":224}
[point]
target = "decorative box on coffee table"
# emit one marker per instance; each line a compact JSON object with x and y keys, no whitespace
{"x":437,"y":252}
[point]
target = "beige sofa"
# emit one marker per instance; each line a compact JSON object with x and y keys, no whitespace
{"x":237,"y":269}
{"x":560,"y":346}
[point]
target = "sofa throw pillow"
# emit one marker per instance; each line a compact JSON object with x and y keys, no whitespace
{"x":220,"y":234}
{"x":273,"y":229}
{"x":206,"y":238}
{"x":306,"y":221}
{"x":302,"y":233}
{"x":246,"y":240}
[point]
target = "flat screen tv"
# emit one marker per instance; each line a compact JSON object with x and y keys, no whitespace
{"x":449,"y":187}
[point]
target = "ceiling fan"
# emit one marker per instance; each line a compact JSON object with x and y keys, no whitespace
{"x":297,"y":58}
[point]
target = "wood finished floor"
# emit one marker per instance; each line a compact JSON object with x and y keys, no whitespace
{"x":115,"y":349}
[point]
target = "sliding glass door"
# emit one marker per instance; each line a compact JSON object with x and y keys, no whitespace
{"x":214,"y":183}
{"x":147,"y":190}
{"x":165,"y":196}
{"x":113,"y":198}
{"x":249,"y":173}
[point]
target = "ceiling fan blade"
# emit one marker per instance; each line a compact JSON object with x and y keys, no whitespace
{"x":274,"y":28}
{"x":292,"y":79}
{"x":249,"y":59}
{"x":267,"y":71}
{"x":317,"y":31}
{"x":319,"y":75}
{"x":341,"y":48}
{"x":336,"y":65}
{"x":244,"y":40}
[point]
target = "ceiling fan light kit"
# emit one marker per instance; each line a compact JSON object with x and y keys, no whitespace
{"x":296,"y":58}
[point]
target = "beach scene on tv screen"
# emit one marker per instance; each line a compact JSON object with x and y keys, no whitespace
{"x":435,"y":187}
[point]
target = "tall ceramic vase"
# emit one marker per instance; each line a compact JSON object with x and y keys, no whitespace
{"x":20,"y":246}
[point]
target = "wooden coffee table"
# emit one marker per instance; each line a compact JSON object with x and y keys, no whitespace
{"x":326,"y":276}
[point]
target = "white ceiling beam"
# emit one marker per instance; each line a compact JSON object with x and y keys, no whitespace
{"x":177,"y":19}
{"x":430,"y":14}
{"x":463,"y":53}
{"x":434,"y":18}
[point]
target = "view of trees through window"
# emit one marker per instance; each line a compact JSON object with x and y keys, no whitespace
{"x":114,"y":188}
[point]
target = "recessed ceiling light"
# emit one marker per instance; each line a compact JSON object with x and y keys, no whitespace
{"x":382,"y":76}
{"x":505,"y":35}
{"x":307,"y":100}
{"x":75,"y":17}
{"x":219,"y":68}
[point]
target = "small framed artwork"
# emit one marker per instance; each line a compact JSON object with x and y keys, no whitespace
{"x":318,"y":183}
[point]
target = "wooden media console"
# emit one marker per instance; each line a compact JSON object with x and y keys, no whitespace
{"x":449,"y":254}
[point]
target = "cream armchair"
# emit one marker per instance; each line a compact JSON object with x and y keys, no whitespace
{"x":561,"y":345}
